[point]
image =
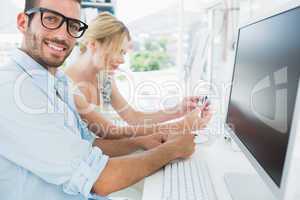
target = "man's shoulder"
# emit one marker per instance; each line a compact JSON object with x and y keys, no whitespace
{"x":18,"y":88}
{"x":13,"y":77}
{"x":9,"y":71}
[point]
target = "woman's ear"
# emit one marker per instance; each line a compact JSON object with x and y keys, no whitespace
{"x":92,"y":45}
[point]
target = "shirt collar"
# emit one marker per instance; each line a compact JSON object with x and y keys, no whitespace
{"x":40,"y":76}
{"x":27,"y":63}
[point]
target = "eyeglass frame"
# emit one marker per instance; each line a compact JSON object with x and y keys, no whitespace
{"x":41,"y":10}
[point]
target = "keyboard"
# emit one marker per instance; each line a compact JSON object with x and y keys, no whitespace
{"x":187,"y":180}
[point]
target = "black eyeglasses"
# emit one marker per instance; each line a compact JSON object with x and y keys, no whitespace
{"x":54,"y":20}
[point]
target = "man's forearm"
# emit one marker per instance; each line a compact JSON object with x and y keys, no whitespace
{"x":124,"y":171}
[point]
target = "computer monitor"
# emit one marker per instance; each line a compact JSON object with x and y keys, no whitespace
{"x":264,"y":92}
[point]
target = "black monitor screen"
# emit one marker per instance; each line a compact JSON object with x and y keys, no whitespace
{"x":264,"y":87}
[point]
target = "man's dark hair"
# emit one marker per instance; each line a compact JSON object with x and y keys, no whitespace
{"x":32,"y":3}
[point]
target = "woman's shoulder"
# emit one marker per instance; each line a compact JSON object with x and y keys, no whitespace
{"x":69,"y":72}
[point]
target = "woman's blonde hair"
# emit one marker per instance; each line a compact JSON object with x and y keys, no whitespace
{"x":106,"y":29}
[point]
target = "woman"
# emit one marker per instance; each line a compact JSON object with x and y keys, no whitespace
{"x":102,"y":51}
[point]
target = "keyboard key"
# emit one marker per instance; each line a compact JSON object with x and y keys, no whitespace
{"x":196,"y":181}
{"x":182,"y":182}
{"x":174,"y":189}
{"x":187,"y":180}
{"x":167,"y":182}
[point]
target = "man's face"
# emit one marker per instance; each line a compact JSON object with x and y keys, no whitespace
{"x":51,"y":47}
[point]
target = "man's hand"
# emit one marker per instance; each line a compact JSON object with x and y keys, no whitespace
{"x":151,"y":141}
{"x":121,"y":172}
{"x":182,"y":144}
{"x":197,"y":119}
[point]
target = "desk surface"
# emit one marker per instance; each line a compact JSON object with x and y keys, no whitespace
{"x":221,"y":158}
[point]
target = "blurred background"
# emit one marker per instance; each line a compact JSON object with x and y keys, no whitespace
{"x":178,"y":47}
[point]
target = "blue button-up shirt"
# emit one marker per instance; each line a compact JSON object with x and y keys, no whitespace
{"x":45,"y":151}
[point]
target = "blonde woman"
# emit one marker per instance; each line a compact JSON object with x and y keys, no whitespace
{"x":102,"y":51}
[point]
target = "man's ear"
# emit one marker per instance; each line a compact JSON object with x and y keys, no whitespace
{"x":22,"y":22}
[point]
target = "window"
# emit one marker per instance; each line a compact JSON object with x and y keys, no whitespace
{"x":153,"y":61}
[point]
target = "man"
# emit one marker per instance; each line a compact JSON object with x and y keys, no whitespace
{"x":45,"y":151}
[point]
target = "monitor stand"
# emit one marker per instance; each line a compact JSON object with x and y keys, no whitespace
{"x":247,"y":187}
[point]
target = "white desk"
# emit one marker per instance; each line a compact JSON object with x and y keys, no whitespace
{"x":221,"y":159}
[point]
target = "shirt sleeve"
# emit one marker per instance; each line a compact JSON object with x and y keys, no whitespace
{"x":86,"y":134}
{"x":38,"y":141}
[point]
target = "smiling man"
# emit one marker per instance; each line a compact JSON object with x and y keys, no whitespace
{"x":46,"y":152}
{"x":50,"y":48}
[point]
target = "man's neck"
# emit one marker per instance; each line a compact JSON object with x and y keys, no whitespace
{"x":51,"y":70}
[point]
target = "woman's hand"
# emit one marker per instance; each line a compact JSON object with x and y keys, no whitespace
{"x":197,"y":119}
{"x":188,"y":104}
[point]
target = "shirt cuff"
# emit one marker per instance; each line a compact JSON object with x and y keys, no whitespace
{"x":86,"y":174}
{"x":96,"y":197}
{"x":86,"y":134}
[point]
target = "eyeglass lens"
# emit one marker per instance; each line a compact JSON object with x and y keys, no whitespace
{"x":54,"y":21}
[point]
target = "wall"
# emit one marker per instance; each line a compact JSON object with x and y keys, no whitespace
{"x":217,"y":64}
{"x":223,"y":25}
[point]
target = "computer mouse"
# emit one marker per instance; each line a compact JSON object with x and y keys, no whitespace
{"x":201,"y":139}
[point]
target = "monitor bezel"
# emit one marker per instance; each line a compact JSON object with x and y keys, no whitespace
{"x":278,"y":192}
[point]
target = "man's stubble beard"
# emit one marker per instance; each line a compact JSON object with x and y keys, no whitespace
{"x":34,"y":47}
